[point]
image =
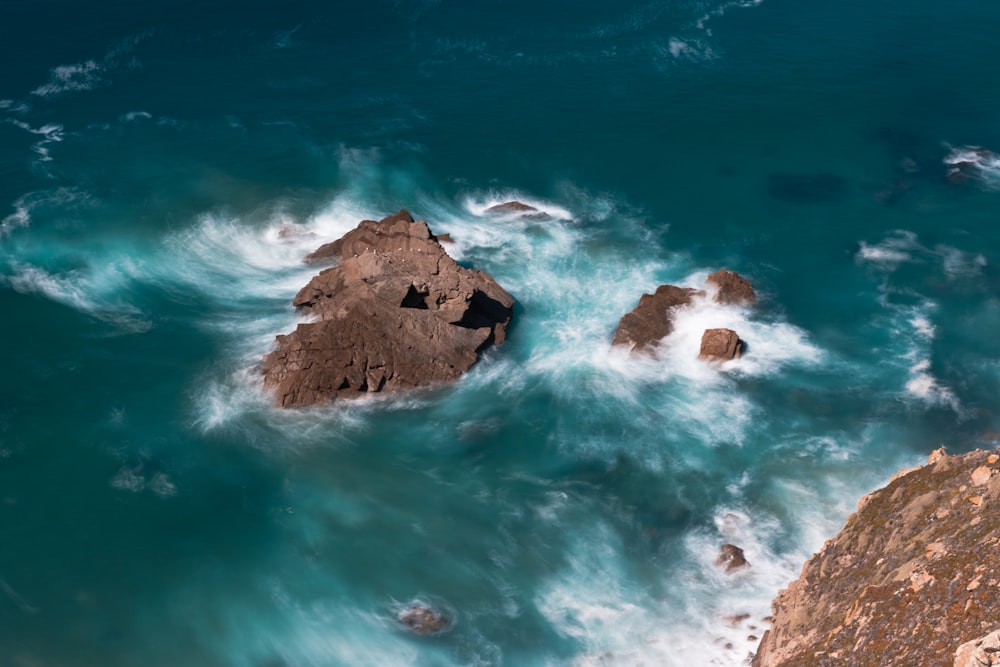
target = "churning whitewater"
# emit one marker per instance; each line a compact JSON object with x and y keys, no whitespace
{"x":166,"y":169}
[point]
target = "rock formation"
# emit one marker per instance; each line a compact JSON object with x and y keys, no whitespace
{"x":909,"y":580}
{"x":395,"y":312}
{"x":519,"y":209}
{"x":732,"y":558}
{"x":423,"y":620}
{"x":652,"y":319}
{"x":720,"y":345}
{"x":732,"y":288}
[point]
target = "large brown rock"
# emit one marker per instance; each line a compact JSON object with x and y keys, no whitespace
{"x":395,"y":312}
{"x":652,"y":319}
{"x":909,"y":580}
{"x":720,"y":345}
{"x":732,"y":288}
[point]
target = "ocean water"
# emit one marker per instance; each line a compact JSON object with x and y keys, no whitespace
{"x":165,"y":166}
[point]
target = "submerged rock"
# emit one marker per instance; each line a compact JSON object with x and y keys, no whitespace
{"x":720,"y":345}
{"x":909,"y":580}
{"x":652,"y":319}
{"x":971,"y":163}
{"x":395,"y":312}
{"x":423,"y":620}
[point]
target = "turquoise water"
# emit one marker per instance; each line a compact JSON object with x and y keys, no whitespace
{"x":164,"y":168}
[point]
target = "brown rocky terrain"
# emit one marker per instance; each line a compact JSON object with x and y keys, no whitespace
{"x":395,"y":312}
{"x":910,"y":580}
{"x":653,"y":319}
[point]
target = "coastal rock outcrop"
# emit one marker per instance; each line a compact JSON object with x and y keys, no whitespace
{"x":720,"y":345}
{"x":732,"y":288}
{"x":652,"y":319}
{"x":909,"y":580}
{"x":395,"y":312}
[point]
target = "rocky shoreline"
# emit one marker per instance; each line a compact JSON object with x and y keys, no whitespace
{"x":909,"y":580}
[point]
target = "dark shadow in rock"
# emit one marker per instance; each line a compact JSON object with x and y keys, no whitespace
{"x":807,"y":188}
{"x":415,"y":299}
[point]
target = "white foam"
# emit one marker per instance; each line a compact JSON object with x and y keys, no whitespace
{"x":92,"y":293}
{"x":52,"y":133}
{"x":904,"y":247}
{"x":71,"y":78}
{"x":91,"y":74}
{"x":921,"y":383}
{"x":480,"y":205}
{"x":14,"y":106}
{"x":975,"y":162}
{"x":134,"y":116}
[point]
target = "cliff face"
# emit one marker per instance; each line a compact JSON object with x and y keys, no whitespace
{"x":911,"y":577}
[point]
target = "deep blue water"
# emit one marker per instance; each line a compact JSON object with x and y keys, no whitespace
{"x":563,"y":502}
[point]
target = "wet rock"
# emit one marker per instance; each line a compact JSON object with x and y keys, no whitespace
{"x":423,"y":620}
{"x":520,"y":209}
{"x":732,"y":288}
{"x":395,"y":312}
{"x":720,"y":345}
{"x":731,"y":557}
{"x":652,"y":319}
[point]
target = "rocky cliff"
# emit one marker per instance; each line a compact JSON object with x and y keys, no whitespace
{"x":910,"y":580}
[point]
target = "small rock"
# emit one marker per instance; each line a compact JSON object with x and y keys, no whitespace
{"x":936,"y":456}
{"x":976,"y":500}
{"x":973,"y":585}
{"x":731,"y":556}
{"x":993,"y":458}
{"x":720,"y":345}
{"x":735,"y":619}
{"x":423,"y":620}
{"x":732,"y":288}
{"x":515,"y":207}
